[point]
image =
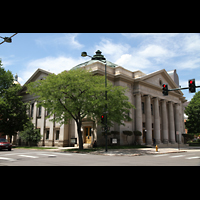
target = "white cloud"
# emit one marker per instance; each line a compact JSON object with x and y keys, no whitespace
{"x":191,"y":42}
{"x":52,"y":64}
{"x":67,"y":39}
{"x":113,"y":50}
{"x":189,"y":63}
{"x":133,"y":35}
{"x":153,"y":51}
{"x":133,"y":62}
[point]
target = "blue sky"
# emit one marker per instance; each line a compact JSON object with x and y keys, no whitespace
{"x":147,"y":52}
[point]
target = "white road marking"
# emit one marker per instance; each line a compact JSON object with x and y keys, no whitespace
{"x":193,"y":157}
{"x":49,"y":155}
{"x":64,"y":154}
{"x":9,"y":159}
{"x":29,"y":156}
{"x":177,"y":156}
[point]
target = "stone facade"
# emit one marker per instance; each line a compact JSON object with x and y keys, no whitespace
{"x":156,"y":116}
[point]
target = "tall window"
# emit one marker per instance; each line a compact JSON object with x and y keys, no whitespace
{"x":32,"y":108}
{"x":39,"y":111}
{"x":142,"y":107}
{"x":57,"y":134}
{"x":151,"y":109}
{"x":47,"y":134}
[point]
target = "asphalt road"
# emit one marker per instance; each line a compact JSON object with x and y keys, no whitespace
{"x":24,"y":157}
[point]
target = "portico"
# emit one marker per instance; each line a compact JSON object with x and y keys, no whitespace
{"x":162,"y":119}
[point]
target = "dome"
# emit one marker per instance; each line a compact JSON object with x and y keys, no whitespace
{"x":96,"y":57}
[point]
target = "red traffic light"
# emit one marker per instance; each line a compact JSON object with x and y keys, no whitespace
{"x":192,"y":86}
{"x":165,"y":89}
{"x":102,"y":119}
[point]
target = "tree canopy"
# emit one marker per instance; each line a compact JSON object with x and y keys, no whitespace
{"x":12,"y":109}
{"x":193,"y":112}
{"x":77,"y":94}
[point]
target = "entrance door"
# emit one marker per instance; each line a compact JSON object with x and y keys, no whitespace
{"x":88,"y":137}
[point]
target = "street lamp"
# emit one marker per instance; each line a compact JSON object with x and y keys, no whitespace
{"x":7,"y":39}
{"x":101,"y":58}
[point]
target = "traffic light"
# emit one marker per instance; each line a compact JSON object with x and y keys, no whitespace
{"x":165,"y":89}
{"x":102,"y":119}
{"x":192,"y":86}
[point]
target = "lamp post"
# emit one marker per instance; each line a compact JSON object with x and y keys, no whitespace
{"x":101,"y":58}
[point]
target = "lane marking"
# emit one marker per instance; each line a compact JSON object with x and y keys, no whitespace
{"x":49,"y":155}
{"x":177,"y":156}
{"x":193,"y":157}
{"x":9,"y":159}
{"x":64,"y":154}
{"x":29,"y":156}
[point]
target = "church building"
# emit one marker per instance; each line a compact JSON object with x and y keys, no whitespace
{"x":155,"y":116}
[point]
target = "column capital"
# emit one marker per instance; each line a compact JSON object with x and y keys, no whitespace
{"x":163,"y":100}
{"x":137,"y":93}
{"x":147,"y":95}
{"x":156,"y":98}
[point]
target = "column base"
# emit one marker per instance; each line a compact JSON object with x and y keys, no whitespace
{"x":149,"y":141}
{"x":158,"y":141}
{"x":165,"y":141}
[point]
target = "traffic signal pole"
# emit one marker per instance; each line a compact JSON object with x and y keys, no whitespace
{"x":191,"y":86}
{"x":182,"y":88}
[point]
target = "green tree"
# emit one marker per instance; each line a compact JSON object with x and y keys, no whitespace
{"x":193,"y":112}
{"x":6,"y":78}
{"x":30,"y":134}
{"x":77,"y":94}
{"x":12,"y":109}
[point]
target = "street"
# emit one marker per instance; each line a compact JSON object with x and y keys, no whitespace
{"x":24,"y":157}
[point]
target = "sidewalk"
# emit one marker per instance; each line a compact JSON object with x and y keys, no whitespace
{"x":136,"y":152}
{"x":131,"y":152}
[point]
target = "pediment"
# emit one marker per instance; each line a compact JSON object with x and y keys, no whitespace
{"x":158,"y":78}
{"x":37,"y":75}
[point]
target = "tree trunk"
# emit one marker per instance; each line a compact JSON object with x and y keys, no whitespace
{"x":80,"y":139}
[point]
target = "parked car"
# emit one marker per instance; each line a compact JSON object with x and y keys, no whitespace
{"x":4,"y":144}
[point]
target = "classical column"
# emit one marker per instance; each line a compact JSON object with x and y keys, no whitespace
{"x":177,"y":120}
{"x":156,"y":121}
{"x":138,"y":117}
{"x":148,"y":120}
{"x":42,"y":128}
{"x":171,"y":123}
{"x":164,"y":122}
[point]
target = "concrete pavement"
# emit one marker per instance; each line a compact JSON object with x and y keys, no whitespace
{"x":24,"y":157}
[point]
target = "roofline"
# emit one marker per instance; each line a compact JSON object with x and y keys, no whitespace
{"x":39,"y":69}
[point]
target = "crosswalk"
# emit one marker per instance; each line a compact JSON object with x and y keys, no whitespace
{"x":17,"y":156}
{"x":188,"y":157}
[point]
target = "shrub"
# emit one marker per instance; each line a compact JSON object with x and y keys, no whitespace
{"x":137,"y":133}
{"x":127,"y":133}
